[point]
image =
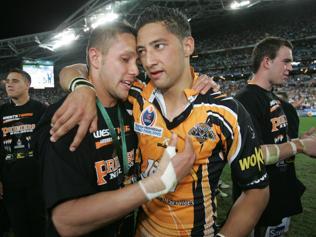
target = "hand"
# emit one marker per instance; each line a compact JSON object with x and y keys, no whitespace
{"x":172,"y":168}
{"x":204,"y":83}
{"x":79,"y":108}
{"x":297,"y":103}
{"x":309,"y":132}
{"x":309,"y":145}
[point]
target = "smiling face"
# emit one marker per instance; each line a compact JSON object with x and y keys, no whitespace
{"x":115,"y":69}
{"x":163,"y":55}
{"x":281,"y":66}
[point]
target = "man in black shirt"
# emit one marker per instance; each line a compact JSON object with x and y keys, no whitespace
{"x":271,"y":59}
{"x":20,"y":169}
{"x":86,"y":190}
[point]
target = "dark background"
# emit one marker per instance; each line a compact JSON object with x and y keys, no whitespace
{"x":21,"y":17}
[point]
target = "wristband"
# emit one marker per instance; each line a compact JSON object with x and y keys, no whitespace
{"x":294,"y":148}
{"x":303,"y":145}
{"x":79,"y":81}
{"x":300,"y":146}
{"x":272,"y":154}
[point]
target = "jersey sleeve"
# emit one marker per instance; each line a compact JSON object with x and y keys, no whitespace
{"x":255,"y":109}
{"x":245,"y":155}
{"x":65,"y":174}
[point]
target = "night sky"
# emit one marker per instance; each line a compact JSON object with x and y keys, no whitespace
{"x":21,"y":17}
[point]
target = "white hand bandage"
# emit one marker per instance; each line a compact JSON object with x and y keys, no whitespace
{"x":164,"y":180}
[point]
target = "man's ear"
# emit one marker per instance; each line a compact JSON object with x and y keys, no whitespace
{"x":95,"y":58}
{"x":188,"y":45}
{"x":266,"y":62}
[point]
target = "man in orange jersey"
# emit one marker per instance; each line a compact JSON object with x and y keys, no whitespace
{"x":220,"y":126}
{"x":91,"y":191}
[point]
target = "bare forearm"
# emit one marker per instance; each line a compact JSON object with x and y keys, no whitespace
{"x":83,"y":215}
{"x":67,"y":74}
{"x":245,"y":213}
{"x":273,"y":153}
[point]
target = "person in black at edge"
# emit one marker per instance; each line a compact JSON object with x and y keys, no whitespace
{"x":86,"y":191}
{"x":271,"y":61}
{"x":4,"y":219}
{"x":20,"y":168}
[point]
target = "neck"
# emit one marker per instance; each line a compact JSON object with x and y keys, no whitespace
{"x":174,"y":97}
{"x":21,"y":100}
{"x":261,"y":80}
{"x":182,"y":83}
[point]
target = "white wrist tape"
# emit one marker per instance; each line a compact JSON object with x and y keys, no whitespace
{"x":303,"y":144}
{"x":168,"y":178}
{"x":272,"y":154}
{"x":171,"y":151}
{"x":294,"y":148}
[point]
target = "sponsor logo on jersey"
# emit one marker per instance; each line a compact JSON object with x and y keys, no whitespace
{"x":148,"y":116}
{"x":202,"y":132}
{"x":15,"y":117}
{"x":274,"y":105}
{"x":263,"y":177}
{"x":109,"y":167}
{"x":256,"y":159}
{"x":24,"y":128}
{"x":278,"y":123}
{"x":148,"y":119}
{"x":275,"y":231}
{"x":106,"y":132}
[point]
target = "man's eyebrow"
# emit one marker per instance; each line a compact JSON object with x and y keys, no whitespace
{"x":152,"y":42}
{"x":287,"y":60}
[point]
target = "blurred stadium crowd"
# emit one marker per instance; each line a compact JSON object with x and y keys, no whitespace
{"x":224,"y":48}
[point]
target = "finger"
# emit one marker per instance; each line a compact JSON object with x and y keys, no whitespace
{"x":66,"y":116}
{"x":94,"y":125}
{"x":209,"y":85}
{"x":81,"y":133}
{"x":173,"y":140}
{"x":59,"y":131}
{"x":188,"y":145}
{"x":57,"y":115}
{"x":200,"y":83}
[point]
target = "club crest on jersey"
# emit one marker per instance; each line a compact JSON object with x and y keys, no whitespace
{"x":148,"y":116}
{"x":148,"y":119}
{"x":202,"y":132}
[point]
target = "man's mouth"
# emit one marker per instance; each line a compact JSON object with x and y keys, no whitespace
{"x":155,"y":74}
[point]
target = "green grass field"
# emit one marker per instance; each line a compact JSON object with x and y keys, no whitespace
{"x":304,"y":224}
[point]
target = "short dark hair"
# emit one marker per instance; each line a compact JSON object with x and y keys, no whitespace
{"x":267,"y":47}
{"x":23,"y":73}
{"x":102,"y":36}
{"x":175,"y":21}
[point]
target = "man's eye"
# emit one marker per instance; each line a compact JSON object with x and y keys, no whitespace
{"x":159,"y":46}
{"x":140,"y":52}
{"x":125,"y":59}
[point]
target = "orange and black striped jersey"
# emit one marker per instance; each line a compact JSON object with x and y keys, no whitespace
{"x":222,"y":132}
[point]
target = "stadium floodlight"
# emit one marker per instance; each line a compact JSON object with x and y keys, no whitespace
{"x":61,"y":39}
{"x":103,"y":18}
{"x":295,"y":63}
{"x":240,"y":4}
{"x":64,"y":38}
